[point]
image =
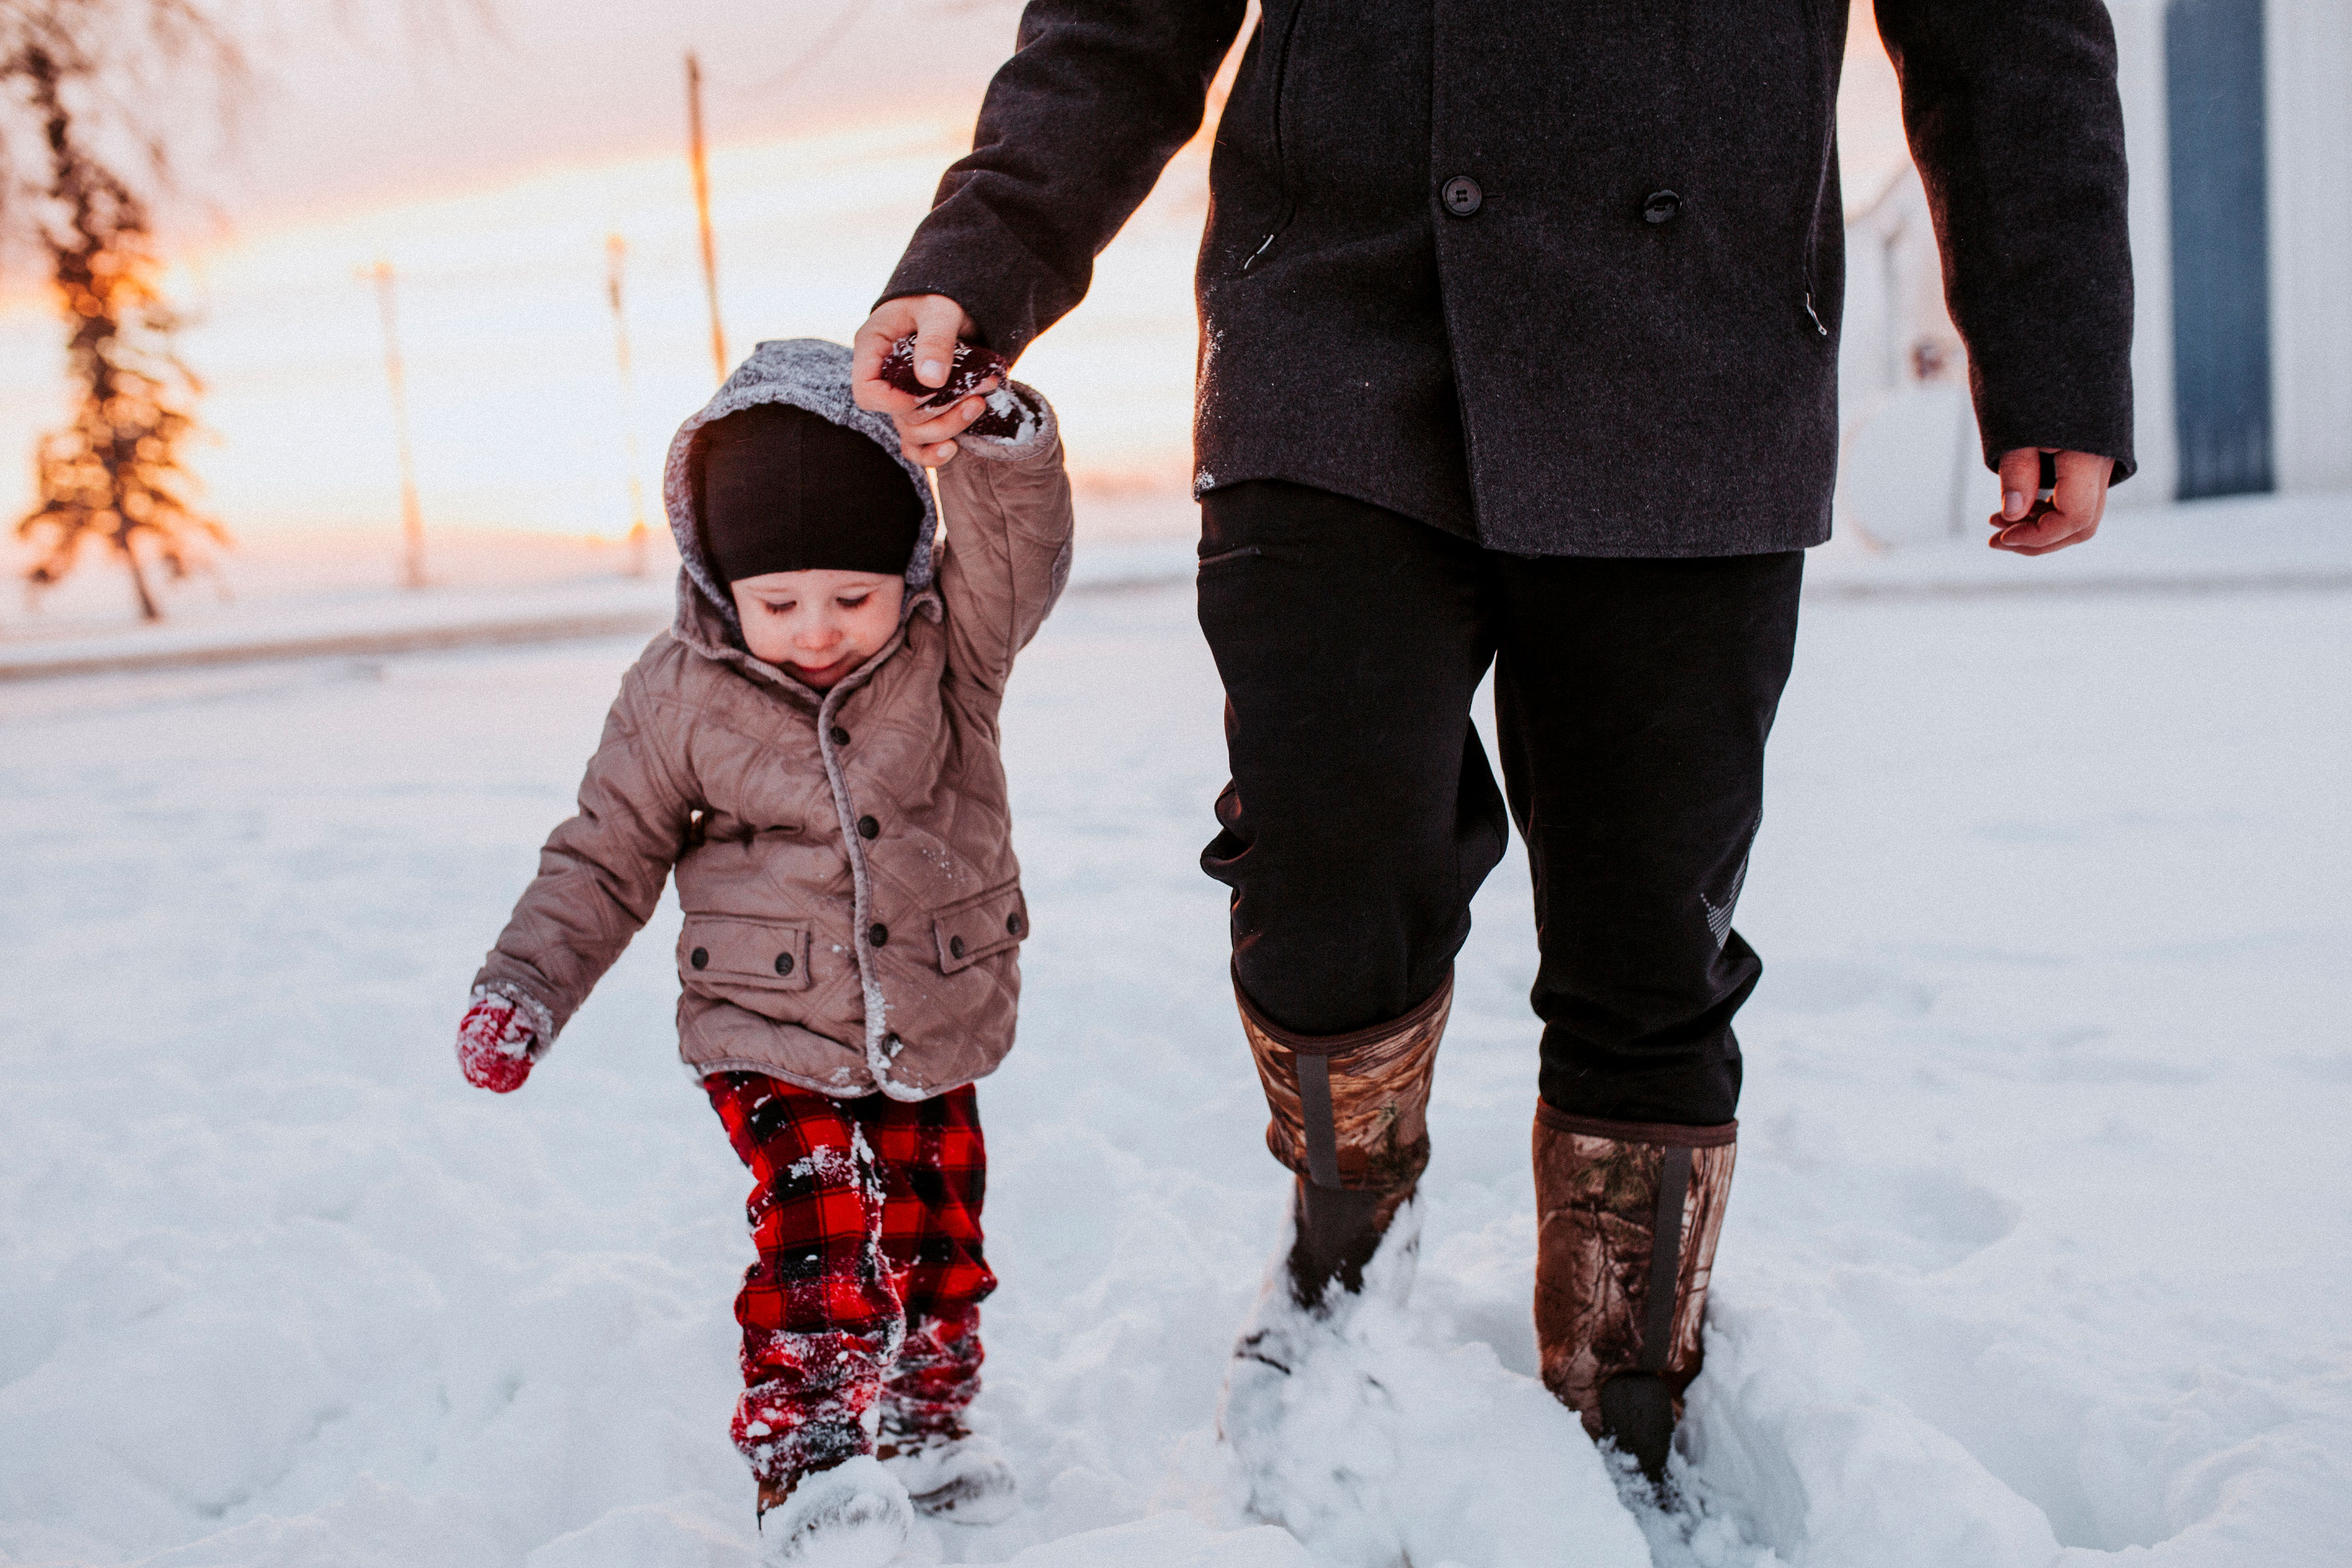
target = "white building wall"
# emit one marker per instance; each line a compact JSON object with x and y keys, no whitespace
{"x":2309,"y":70}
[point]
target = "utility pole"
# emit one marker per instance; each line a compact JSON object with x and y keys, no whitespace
{"x":616,"y":254}
{"x":702,"y":207}
{"x":412,"y":517}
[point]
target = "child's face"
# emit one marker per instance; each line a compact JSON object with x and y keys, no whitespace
{"x":820,"y":626}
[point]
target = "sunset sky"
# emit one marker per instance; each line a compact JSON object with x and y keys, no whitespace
{"x":489,"y":159}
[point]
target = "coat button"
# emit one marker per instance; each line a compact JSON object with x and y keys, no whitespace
{"x":1013,"y":923}
{"x":877,"y":934}
{"x":955,"y":947}
{"x":1663,"y":207}
{"x":840,"y":736}
{"x":699,"y":957}
{"x":783,"y":963}
{"x":868,"y":828}
{"x":1462,"y":195}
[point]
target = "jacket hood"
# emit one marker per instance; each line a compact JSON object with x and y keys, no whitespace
{"x":806,"y":373}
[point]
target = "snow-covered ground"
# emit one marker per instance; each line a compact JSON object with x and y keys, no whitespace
{"x":2038,"y":1254}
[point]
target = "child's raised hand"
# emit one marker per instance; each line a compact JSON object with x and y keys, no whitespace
{"x":494,"y":1043}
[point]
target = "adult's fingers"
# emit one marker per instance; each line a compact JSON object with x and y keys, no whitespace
{"x":2082,"y":489}
{"x":891,"y":320}
{"x":931,"y":440}
{"x":2072,"y":514}
{"x":2021,"y":482}
{"x":939,"y":321}
{"x":934,"y":321}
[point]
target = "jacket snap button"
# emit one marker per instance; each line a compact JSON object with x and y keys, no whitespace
{"x":868,"y":828}
{"x":955,"y":947}
{"x":840,"y":736}
{"x":1663,"y":206}
{"x":1013,"y":924}
{"x":699,"y":957}
{"x":877,"y":934}
{"x":1462,"y":195}
{"x":783,"y":963}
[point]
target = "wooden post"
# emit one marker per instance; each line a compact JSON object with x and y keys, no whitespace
{"x":616,"y":254}
{"x":412,"y":517}
{"x":702,"y":207}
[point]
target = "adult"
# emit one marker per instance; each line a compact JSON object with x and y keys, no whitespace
{"x":1518,"y":344}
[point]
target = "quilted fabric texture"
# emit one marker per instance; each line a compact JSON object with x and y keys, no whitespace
{"x":845,"y":859}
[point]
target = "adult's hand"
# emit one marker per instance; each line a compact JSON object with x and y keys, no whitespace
{"x":925,"y":435}
{"x":2028,"y":526}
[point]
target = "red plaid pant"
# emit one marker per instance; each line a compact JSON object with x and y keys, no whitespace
{"x":863,"y":1311}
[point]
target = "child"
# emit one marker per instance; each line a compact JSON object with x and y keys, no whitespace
{"x":813,"y":746}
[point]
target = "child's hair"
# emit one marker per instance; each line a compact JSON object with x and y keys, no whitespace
{"x":778,"y":488}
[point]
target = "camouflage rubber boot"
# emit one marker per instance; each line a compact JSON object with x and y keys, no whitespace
{"x":1350,"y":1118}
{"x":1627,"y":1216}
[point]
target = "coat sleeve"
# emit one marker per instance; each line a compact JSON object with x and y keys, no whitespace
{"x":2013,"y":118}
{"x":1006,"y":503}
{"x":601,"y":873}
{"x":1074,"y":130}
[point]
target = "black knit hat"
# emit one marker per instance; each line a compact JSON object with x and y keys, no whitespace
{"x":778,"y":488}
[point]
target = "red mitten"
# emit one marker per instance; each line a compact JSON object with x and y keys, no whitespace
{"x":494,"y":1043}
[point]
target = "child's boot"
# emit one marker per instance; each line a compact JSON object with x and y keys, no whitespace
{"x":850,"y":1514}
{"x":1351,"y":1120}
{"x":949,"y":1472}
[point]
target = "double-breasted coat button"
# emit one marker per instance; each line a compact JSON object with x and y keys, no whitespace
{"x":1663,"y":207}
{"x":877,"y":934}
{"x":1013,"y":924}
{"x":699,"y":957}
{"x":955,"y":947}
{"x":840,"y":736}
{"x":1462,"y":196}
{"x":868,"y":828}
{"x":783,"y":963}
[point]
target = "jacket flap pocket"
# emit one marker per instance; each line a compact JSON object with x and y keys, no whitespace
{"x":732,"y":952}
{"x":970,"y":930}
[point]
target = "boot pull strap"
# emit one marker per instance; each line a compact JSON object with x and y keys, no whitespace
{"x":1322,"y":1134}
{"x":1665,"y":1257}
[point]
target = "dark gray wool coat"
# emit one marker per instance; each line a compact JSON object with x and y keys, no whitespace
{"x":1561,"y":276}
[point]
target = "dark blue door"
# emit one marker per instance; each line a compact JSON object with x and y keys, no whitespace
{"x":2220,"y":245}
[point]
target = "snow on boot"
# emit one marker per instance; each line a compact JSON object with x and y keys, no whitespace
{"x":854,"y":1514}
{"x":1349,"y":1118}
{"x":1627,"y":1215}
{"x":949,"y":1472}
{"x":953,"y":1474}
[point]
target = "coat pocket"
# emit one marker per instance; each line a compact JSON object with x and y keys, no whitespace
{"x":976,"y":927}
{"x":739,"y":959}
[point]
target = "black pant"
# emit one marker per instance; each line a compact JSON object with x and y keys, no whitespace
{"x":1633,"y":700}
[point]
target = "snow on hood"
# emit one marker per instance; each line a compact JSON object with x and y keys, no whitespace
{"x":806,"y":372}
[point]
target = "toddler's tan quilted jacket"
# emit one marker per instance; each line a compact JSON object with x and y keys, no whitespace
{"x":852,"y":908}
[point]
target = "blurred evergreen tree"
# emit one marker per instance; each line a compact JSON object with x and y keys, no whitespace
{"x":114,"y":473}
